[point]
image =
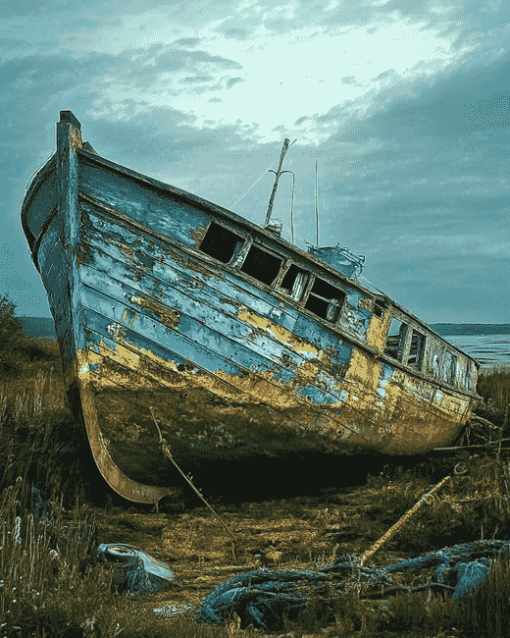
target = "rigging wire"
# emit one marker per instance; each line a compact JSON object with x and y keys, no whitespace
{"x":256,"y":182}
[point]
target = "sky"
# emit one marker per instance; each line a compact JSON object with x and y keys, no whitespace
{"x":403,"y":104}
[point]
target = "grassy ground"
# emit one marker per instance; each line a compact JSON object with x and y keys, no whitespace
{"x":50,"y":585}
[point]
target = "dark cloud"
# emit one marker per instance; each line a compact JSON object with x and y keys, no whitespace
{"x":143,"y":63}
{"x":301,"y":120}
{"x":12,"y":8}
{"x":349,"y":80}
{"x":188,"y":42}
{"x":236,"y":33}
{"x":11,"y":44}
{"x":233,"y":81}
{"x":196,"y":79}
{"x":215,"y":99}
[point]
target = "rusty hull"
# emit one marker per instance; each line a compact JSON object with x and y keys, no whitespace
{"x":233,"y":368}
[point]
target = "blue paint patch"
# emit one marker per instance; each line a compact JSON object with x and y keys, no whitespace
{"x":153,"y":208}
{"x":215,"y":350}
{"x":353,"y":297}
{"x":385,"y":376}
{"x":316,"y":394}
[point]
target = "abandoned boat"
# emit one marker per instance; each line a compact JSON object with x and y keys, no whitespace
{"x":168,"y":307}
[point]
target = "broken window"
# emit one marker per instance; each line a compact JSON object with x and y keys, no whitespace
{"x":325,"y":300}
{"x":379,"y":309}
{"x":221,"y":243}
{"x":262,"y":265}
{"x":417,"y":350}
{"x":294,"y":282}
{"x":450,"y":367}
{"x":396,"y":339}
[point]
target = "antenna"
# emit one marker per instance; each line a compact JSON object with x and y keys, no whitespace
{"x":317,"y":200}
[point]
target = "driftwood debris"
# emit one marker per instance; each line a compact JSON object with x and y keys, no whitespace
{"x":481,"y":429}
{"x":393,"y":530}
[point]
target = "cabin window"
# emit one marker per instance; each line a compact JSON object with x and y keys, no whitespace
{"x":325,"y":300}
{"x":220,"y":243}
{"x":450,"y":367}
{"x":396,"y":339}
{"x":262,"y":265}
{"x":294,"y":282}
{"x":379,"y":309}
{"x":417,"y":350}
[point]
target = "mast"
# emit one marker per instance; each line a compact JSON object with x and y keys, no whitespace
{"x":278,"y":174}
{"x":317,"y":201}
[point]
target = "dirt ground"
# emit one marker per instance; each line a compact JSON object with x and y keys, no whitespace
{"x":304,"y":532}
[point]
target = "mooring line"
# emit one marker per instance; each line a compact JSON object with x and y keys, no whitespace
{"x":166,"y":451}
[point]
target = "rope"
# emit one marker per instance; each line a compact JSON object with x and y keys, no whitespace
{"x":393,"y":530}
{"x":166,"y":451}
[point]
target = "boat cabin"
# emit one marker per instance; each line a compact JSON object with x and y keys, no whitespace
{"x":318,"y":288}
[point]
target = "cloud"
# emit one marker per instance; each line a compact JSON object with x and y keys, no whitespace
{"x":236,"y":33}
{"x":233,"y":81}
{"x":188,"y":42}
{"x":11,"y":44}
{"x":196,"y":79}
{"x":385,"y":75}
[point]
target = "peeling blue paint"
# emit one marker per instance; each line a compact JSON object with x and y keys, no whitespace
{"x":386,"y":374}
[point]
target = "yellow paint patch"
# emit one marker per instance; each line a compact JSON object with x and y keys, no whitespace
{"x":376,"y":333}
{"x":282,"y":334}
{"x":124,"y":315}
{"x":263,"y":390}
{"x":364,"y":371}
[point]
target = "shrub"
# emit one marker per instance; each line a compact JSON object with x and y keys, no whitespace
{"x":10,"y":335}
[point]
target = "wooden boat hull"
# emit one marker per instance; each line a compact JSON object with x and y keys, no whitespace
{"x":147,"y":325}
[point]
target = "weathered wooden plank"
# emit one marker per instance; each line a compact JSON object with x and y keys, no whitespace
{"x":213,"y":352}
{"x":144,"y":204}
{"x":168,"y":266}
{"x":232,"y":281}
{"x":168,"y":302}
{"x":43,"y":201}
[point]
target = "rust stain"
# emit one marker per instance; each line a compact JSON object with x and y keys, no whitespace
{"x":167,"y":316}
{"x":132,"y":319}
{"x":127,"y":251}
{"x":367,"y":303}
{"x":198,"y":234}
{"x":282,"y":334}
